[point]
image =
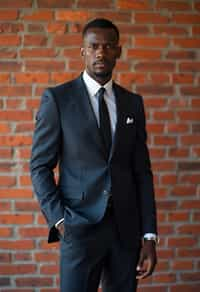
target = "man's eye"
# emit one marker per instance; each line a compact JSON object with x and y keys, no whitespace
{"x":93,"y":46}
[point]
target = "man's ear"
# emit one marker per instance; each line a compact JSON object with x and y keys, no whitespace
{"x":82,"y":52}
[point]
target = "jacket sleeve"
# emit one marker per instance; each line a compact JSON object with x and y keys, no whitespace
{"x":143,"y":175}
{"x":44,"y":158}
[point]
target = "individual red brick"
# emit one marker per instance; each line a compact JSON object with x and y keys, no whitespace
{"x":15,"y":140}
{"x":14,"y":103}
{"x":9,"y":27}
{"x":183,"y":191}
{"x":33,"y":103}
{"x":177,"y":216}
{"x":196,"y":128}
{"x":177,"y":128}
{"x":18,"y":245}
{"x":167,"y":205}
{"x":35,"y":40}
{"x":17,"y":269}
{"x":157,"y":153}
{"x":15,"y":91}
{"x":186,"y":18}
{"x":46,"y":256}
{"x":7,"y":181}
{"x":34,"y":282}
{"x":182,"y":265}
{"x":4,"y":128}
{"x":5,"y":258}
{"x":57,"y":27}
{"x":159,"y":78}
{"x":10,"y":66}
{"x":188,"y":115}
{"x":10,"y":40}
{"x":4,"y":78}
{"x":165,"y":115}
{"x":155,"y":128}
{"x":5,"y":206}
{"x":15,"y":4}
{"x":32,"y":78}
{"x":135,"y":5}
{"x":39,"y":15}
{"x":33,"y":232}
{"x":44,"y":66}
{"x":183,"y":78}
{"x":54,"y":3}
{"x":8,"y":15}
{"x":165,"y":278}
{"x":15,"y":193}
{"x":25,"y":127}
{"x":95,"y":4}
{"x":194,"y":276}
{"x":190,"y":178}
{"x":170,"y":30}
{"x":151,"y":18}
{"x":155,"y":66}
{"x":50,"y":269}
{"x":176,"y":153}
{"x":173,"y":5}
{"x":70,"y":15}
{"x":62,"y":77}
{"x":5,"y":232}
{"x":187,"y":43}
{"x":168,"y":179}
{"x":35,"y":53}
{"x":180,"y":54}
{"x":189,"y":66}
{"x":143,"y":54}
{"x":153,"y":289}
{"x":190,"y":90}
{"x":155,"y":90}
{"x":23,"y":256}
{"x":163,"y":166}
{"x":25,"y":206}
{"x":190,"y":139}
{"x":156,"y":42}
{"x":34,"y":27}
{"x":189,"y":166}
{"x":189,"y":229}
{"x":195,"y":30}
{"x":16,"y":218}
{"x":181,"y":242}
{"x":12,"y":115}
{"x":67,"y":40}
{"x":185,"y":288}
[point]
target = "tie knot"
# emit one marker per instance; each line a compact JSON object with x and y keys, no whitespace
{"x":100,"y":92}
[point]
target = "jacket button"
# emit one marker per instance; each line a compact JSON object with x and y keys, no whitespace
{"x":105,"y":192}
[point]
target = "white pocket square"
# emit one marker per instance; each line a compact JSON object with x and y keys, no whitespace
{"x":129,"y":120}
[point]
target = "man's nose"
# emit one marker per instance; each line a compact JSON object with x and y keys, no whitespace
{"x":100,"y":52}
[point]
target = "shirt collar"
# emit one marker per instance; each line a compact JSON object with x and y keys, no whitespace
{"x":93,"y":86}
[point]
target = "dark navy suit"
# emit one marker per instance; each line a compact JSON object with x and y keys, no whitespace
{"x":67,"y":133}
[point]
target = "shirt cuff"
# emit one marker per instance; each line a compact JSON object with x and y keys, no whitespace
{"x":59,"y":222}
{"x":148,"y":235}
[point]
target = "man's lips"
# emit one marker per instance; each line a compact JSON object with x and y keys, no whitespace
{"x":100,"y":64}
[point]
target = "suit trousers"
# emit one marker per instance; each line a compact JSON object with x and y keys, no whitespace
{"x":97,"y":256}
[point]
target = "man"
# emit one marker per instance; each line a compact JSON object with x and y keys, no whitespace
{"x":102,"y":208}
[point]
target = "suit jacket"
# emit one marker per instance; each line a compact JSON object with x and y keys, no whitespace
{"x":67,"y":133}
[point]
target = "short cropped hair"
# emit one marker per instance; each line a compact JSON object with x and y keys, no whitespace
{"x":100,"y":23}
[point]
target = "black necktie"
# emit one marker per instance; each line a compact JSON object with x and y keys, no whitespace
{"x":104,"y":120}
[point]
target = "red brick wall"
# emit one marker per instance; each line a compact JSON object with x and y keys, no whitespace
{"x":39,"y":47}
